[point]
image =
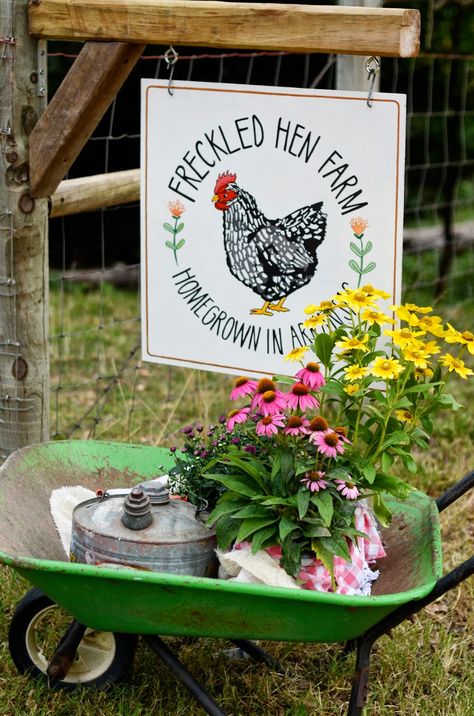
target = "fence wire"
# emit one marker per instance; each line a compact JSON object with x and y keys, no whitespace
{"x":100,"y":387}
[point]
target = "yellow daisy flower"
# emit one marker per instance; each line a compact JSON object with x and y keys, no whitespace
{"x":353,"y":344}
{"x":404,"y":416}
{"x":451,"y":335}
{"x":421,"y":373}
{"x":467,"y":338}
{"x":372,"y":316}
{"x":351,"y":389}
{"x":431,"y":324}
{"x":297,"y":353}
{"x":456,"y":364}
{"x":418,"y":309}
{"x":430,"y":348}
{"x":357,"y":300}
{"x":315,"y":321}
{"x":387,"y":368}
{"x":404,"y":337}
{"x":416,"y":356}
{"x":355,"y":372}
{"x":323,"y":306}
{"x":404,"y":315}
{"x":371,"y":291}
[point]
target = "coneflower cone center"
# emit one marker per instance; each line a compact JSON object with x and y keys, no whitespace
{"x":294,"y":421}
{"x":267,"y":420}
{"x":241,"y":381}
{"x":319,"y":424}
{"x":332,"y":439}
{"x":269,"y":396}
{"x":299,"y":389}
{"x":233,"y":413}
{"x":313,"y":367}
{"x":265,"y":384}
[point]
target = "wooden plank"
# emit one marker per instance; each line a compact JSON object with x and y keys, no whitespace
{"x":24,"y":348}
{"x":74,"y":196}
{"x":209,"y":23}
{"x":75,"y":110}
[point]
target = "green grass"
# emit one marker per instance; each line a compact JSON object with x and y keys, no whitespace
{"x":424,"y":670}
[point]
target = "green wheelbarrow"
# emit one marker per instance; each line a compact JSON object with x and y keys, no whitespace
{"x":109,"y":608}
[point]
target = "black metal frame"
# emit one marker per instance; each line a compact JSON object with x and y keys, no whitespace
{"x":362,"y":644}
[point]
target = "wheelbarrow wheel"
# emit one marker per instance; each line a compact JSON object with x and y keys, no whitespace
{"x":38,"y":625}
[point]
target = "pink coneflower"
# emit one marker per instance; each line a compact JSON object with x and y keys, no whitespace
{"x":297,"y":425}
{"x":300,"y":397}
{"x":243,"y":386}
{"x":328,"y":443}
{"x":342,"y":432}
{"x":272,"y":402}
{"x":319,"y":424}
{"x":314,"y":481}
{"x":269,"y":424}
{"x":311,"y":376}
{"x":263,"y":385}
{"x":347,"y":488}
{"x":237,"y":416}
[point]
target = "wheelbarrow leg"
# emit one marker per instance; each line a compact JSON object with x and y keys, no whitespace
{"x":360,"y":680}
{"x":66,"y":651}
{"x":258,"y":654}
{"x":183,"y":675}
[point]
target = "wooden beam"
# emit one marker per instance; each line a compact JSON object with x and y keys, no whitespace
{"x":95,"y":192}
{"x":75,"y":110}
{"x":209,"y":23}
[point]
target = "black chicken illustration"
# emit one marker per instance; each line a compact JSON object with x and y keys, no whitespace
{"x":273,"y":257}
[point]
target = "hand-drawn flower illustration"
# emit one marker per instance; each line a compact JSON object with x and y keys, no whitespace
{"x":176,"y":210}
{"x":358,"y":226}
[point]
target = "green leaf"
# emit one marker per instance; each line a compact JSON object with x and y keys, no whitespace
{"x":410,"y":464}
{"x":303,"y":502}
{"x":265,"y":537}
{"x":179,"y":228}
{"x":254,"y":510}
{"x":396,"y":438}
{"x":324,"y":344}
{"x":369,"y":472}
{"x":354,"y":266}
{"x":382,"y":512}
{"x":356,"y":249}
{"x":402,"y":403}
{"x":226,"y":531}
{"x":323,"y":502}
{"x":314,"y":531}
{"x":250,"y":526}
{"x":394,"y":485}
{"x":337,"y":545}
{"x":276,"y":501}
{"x":370,"y":267}
{"x":252,"y":467}
{"x":236,"y":483}
{"x":170,"y":245}
{"x":421,"y":387}
{"x":227,"y":503}
{"x":448,"y":400}
{"x":168,"y":227}
{"x":326,"y":557}
{"x":387,"y":461}
{"x":180,"y":243}
{"x":367,"y":249}
{"x":286,"y":526}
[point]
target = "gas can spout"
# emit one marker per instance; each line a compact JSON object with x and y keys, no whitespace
{"x":137,"y":510}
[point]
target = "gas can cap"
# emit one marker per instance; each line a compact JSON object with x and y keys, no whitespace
{"x":137,"y":510}
{"x":158,"y":494}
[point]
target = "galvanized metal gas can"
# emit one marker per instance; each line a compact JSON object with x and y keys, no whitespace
{"x":157,"y":534}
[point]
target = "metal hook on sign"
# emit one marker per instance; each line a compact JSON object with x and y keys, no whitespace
{"x":171,"y":58}
{"x":372,"y":66}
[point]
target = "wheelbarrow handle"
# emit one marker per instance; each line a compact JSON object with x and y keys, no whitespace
{"x":455,"y":491}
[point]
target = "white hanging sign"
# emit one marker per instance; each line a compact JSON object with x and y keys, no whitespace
{"x":257,"y":201}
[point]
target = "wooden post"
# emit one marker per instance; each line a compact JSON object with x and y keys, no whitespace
{"x":351,"y":73}
{"x":24,"y":364}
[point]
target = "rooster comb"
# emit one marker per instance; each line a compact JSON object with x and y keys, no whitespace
{"x":223,"y":180}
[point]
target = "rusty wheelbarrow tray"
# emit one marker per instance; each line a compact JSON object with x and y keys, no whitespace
{"x":151,"y":603}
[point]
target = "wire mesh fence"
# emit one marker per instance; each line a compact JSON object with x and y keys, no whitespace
{"x":99,"y":386}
